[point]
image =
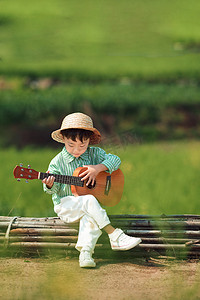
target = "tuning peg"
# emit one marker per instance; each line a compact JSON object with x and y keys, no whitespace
{"x":21,"y":165}
{"x":26,"y":181}
{"x":18,"y":179}
{"x":29,"y":166}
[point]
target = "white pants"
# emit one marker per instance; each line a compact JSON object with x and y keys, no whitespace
{"x":91,"y":215}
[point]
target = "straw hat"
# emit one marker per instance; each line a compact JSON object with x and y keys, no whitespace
{"x":77,"y":121}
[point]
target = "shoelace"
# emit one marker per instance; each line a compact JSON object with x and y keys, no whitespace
{"x":124,"y":237}
{"x":87,"y":255}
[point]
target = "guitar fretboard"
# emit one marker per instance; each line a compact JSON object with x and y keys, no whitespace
{"x":66,"y":179}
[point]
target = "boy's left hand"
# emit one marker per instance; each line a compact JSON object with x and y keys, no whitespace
{"x":92,"y":172}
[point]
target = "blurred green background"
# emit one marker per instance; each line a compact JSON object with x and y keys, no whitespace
{"x":104,"y":39}
{"x":133,"y":66}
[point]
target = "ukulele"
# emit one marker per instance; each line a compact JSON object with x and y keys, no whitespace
{"x":108,"y":188}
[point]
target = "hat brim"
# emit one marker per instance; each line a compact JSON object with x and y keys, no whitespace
{"x":94,"y":139}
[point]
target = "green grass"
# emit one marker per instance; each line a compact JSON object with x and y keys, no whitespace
{"x":76,"y":39}
{"x":159,"y":178}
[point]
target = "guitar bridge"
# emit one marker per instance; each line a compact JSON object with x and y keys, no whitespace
{"x":108,"y":185}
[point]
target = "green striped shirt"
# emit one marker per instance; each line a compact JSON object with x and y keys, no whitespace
{"x":64,"y":164}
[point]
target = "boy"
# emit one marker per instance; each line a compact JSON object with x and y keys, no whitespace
{"x":77,"y":133}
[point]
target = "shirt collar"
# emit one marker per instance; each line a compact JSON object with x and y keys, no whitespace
{"x":85,"y":155}
{"x":69,"y":157}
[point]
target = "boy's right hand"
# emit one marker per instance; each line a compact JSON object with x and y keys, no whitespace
{"x":49,"y":181}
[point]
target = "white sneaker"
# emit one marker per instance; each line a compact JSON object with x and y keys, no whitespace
{"x":86,"y":260}
{"x":121,"y":241}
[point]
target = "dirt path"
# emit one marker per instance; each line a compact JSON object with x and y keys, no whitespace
{"x":130,"y":279}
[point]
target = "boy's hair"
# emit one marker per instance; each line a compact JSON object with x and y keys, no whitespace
{"x":81,"y":134}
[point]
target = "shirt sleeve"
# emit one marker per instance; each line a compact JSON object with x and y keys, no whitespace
{"x":53,"y":169}
{"x":111,"y":161}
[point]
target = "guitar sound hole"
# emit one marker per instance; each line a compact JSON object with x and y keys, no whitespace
{"x":90,"y":186}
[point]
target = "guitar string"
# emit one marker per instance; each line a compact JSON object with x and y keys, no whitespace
{"x":71,"y":180}
{"x":66,"y":179}
{"x":75,"y":181}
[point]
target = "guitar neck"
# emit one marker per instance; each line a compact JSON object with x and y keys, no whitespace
{"x":66,"y":179}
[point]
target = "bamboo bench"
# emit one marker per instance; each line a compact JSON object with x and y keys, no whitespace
{"x":168,"y":235}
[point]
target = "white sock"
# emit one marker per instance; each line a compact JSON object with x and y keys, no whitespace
{"x":115,"y":234}
{"x":86,"y":248}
